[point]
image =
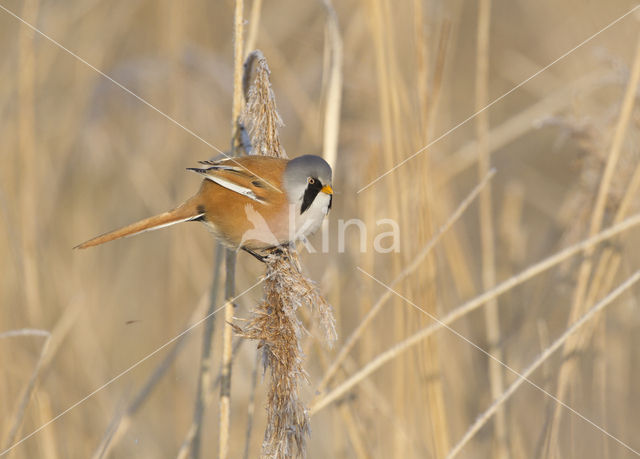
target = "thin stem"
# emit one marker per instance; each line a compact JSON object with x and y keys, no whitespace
{"x":206,"y":359}
{"x":416,"y":263}
{"x":230,"y":258}
{"x":586,"y":267}
{"x":227,"y":340}
{"x":334,"y":93}
{"x":185,"y":448}
{"x":524,"y":375}
{"x":487,"y":233}
{"x":251,"y":407}
{"x":122,"y":421}
{"x":468,"y":307}
{"x":254,"y":25}
{"x":28,"y":391}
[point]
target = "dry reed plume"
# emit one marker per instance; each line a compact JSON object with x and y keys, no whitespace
{"x":275,"y":326}
{"x":274,"y":323}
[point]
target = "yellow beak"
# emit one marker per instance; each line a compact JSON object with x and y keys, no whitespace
{"x":327,"y":189}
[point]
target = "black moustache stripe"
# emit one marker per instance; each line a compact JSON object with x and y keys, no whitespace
{"x":310,"y":195}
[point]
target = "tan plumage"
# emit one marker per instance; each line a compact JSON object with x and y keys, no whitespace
{"x":182,"y":213}
{"x":242,"y":200}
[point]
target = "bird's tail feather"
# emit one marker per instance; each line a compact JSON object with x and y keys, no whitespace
{"x":184,"y":213}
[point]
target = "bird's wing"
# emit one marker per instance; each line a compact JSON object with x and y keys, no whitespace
{"x":234,"y":177}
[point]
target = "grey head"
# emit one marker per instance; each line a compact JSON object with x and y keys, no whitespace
{"x":305,"y":177}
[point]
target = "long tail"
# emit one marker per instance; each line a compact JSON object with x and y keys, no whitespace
{"x":184,"y":213}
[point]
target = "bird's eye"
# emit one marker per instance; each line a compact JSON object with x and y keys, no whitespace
{"x":311,"y":181}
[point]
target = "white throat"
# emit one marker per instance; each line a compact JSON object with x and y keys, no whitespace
{"x":306,"y":223}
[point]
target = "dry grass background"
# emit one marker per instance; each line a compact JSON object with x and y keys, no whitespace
{"x":78,"y":156}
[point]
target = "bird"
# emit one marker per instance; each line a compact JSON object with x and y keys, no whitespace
{"x":253,"y":203}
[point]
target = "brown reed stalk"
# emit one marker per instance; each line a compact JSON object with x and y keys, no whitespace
{"x":467,"y":307}
{"x":30,"y":180}
{"x":487,"y":232}
{"x":586,"y":267}
{"x":21,"y":408}
{"x":517,"y":125}
{"x":274,"y":322}
{"x":206,"y":358}
{"x":392,"y":147}
{"x":422,"y":38}
{"x":409,"y":269}
{"x":254,"y":26}
{"x":48,"y":352}
{"x":251,"y":408}
{"x":524,"y":375}
{"x":50,"y":442}
{"x":429,"y":364}
{"x":230,"y":256}
{"x":334,"y":87}
{"x":355,"y":436}
{"x":438,"y":77}
{"x":122,"y":421}
{"x":185,"y":448}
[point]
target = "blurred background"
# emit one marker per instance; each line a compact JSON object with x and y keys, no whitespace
{"x":80,"y":156}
